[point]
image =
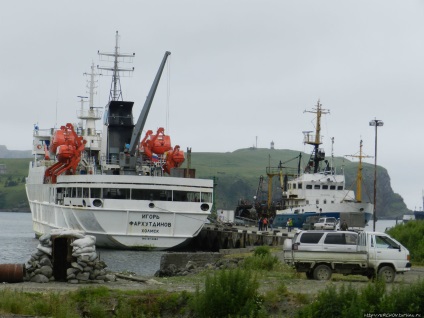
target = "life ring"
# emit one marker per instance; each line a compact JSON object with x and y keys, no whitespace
{"x":38,"y":146}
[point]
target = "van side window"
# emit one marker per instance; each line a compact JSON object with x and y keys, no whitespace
{"x":311,"y":237}
{"x":385,"y":242}
{"x":334,"y":238}
{"x":340,"y":238}
{"x":351,"y":239}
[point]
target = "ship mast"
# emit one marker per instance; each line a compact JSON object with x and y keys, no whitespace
{"x":115,"y":88}
{"x":358,"y":193}
{"x":315,"y":140}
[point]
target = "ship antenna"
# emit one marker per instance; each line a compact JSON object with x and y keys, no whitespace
{"x":91,"y":85}
{"x":315,"y":140}
{"x":115,"y":88}
{"x":358,"y":193}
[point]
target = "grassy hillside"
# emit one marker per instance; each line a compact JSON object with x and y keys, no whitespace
{"x":12,"y":185}
{"x":236,"y":176}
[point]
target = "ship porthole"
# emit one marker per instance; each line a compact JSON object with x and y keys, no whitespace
{"x":151,"y":205}
{"x":204,"y":207}
{"x":97,"y":203}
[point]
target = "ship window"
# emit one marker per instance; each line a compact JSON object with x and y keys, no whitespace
{"x":294,"y":185}
{"x":85,"y":192}
{"x":309,"y":186}
{"x":325,"y":201}
{"x":339,"y":187}
{"x":317,"y":186}
{"x":317,"y":201}
{"x":152,"y":195}
{"x":307,"y":201}
{"x":180,"y":196}
{"x":332,"y":187}
{"x":325,"y":187}
{"x":299,"y":185}
{"x":114,"y":193}
{"x":206,"y":197}
{"x":95,"y":193}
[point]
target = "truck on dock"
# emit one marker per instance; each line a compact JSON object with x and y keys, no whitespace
{"x":319,"y":254}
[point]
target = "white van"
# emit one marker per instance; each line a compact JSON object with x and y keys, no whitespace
{"x":336,"y":241}
{"x":321,"y":253}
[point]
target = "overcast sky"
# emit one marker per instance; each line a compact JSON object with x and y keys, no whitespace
{"x":241,"y":72}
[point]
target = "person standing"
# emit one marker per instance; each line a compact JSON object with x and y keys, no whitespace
{"x":271,"y":221}
{"x":289,"y":224}
{"x":260,"y":224}
{"x":344,"y":226}
{"x":265,"y":221}
{"x":221,"y":217}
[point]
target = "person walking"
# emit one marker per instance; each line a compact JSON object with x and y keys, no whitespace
{"x":344,"y":226}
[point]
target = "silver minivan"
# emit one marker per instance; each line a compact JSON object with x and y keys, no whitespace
{"x":336,"y":241}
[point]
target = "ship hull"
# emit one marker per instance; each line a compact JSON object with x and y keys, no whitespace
{"x":300,"y":214}
{"x":121,"y":223}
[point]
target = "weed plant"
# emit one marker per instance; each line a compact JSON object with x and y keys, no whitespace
{"x":373,"y":299}
{"x":261,"y":260}
{"x":228,"y":293}
{"x":411,"y":236}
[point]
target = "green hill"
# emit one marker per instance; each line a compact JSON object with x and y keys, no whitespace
{"x":236,"y":176}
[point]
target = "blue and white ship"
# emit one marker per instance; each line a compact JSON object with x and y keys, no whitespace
{"x":319,"y":191}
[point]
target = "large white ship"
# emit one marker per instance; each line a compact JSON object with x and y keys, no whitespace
{"x":127,"y":192}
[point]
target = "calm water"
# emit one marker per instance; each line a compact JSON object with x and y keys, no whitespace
{"x":17,"y":243}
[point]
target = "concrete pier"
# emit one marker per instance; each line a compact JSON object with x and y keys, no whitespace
{"x":217,"y":237}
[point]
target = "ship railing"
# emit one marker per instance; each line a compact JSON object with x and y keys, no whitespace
{"x":90,"y":114}
{"x":43,"y":132}
{"x":310,"y":138}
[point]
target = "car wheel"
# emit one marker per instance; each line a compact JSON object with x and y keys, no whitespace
{"x":322,"y":272}
{"x":387,"y":274}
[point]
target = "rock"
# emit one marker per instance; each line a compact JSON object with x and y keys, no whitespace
{"x":77,"y":266}
{"x":70,"y":276}
{"x":45,"y":261}
{"x":71,"y":271}
{"x":46,"y":271}
{"x":110,"y":278}
{"x":39,"y":279}
{"x":73,"y":281}
{"x":83,"y":276}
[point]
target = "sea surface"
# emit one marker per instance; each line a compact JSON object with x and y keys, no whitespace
{"x":18,"y":242}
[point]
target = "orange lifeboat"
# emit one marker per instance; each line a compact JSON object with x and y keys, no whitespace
{"x":174,"y":159}
{"x":161,"y":144}
{"x":61,"y":137}
{"x":65,"y":152}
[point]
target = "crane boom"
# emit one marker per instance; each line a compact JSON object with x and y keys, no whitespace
{"x":138,"y":128}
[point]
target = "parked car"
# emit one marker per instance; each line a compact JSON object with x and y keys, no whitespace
{"x":309,"y":222}
{"x":326,"y":224}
